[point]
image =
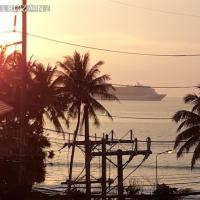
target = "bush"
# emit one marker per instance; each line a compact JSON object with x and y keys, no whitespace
{"x":29,"y":168}
{"x":166,"y":192}
{"x":134,"y":189}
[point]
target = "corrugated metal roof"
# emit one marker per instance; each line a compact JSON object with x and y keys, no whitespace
{"x":5,"y":108}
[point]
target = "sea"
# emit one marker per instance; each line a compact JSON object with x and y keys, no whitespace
{"x":145,"y":119}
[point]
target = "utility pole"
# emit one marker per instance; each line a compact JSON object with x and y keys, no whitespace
{"x":120,"y":175}
{"x":103,"y":174}
{"x":158,"y":154}
{"x":23,"y":73}
{"x":87,"y":153}
{"x":98,"y":148}
{"x":22,"y":91}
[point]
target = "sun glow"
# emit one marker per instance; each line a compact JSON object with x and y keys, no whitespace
{"x":9,"y":39}
{"x":7,"y":36}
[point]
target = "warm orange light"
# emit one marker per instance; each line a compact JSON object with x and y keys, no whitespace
{"x":6,"y":28}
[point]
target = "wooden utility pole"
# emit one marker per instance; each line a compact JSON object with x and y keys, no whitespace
{"x":22,"y":97}
{"x":87,"y":153}
{"x":23,"y":73}
{"x":120,"y":175}
{"x":103,"y":174}
{"x":99,"y":148}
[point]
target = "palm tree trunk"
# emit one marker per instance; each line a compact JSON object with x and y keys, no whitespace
{"x":87,"y":153}
{"x":73,"y":150}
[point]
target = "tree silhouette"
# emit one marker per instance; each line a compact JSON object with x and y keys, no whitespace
{"x":82,"y":86}
{"x":43,"y":97}
{"x":189,"y":128}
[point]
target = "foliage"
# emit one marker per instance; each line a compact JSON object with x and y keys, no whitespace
{"x":189,"y":128}
{"x":166,"y":192}
{"x":82,"y":86}
{"x":48,"y":93}
{"x":42,"y":99}
{"x":134,"y":188}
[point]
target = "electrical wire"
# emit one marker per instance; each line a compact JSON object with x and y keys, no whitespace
{"x":6,"y":32}
{"x":154,"y":9}
{"x":142,"y":141}
{"x":110,"y":189}
{"x":128,"y":117}
{"x":111,"y":50}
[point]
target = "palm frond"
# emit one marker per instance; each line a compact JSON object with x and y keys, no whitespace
{"x":73,"y":110}
{"x":187,"y":145}
{"x":85,"y":61}
{"x":93,"y":115}
{"x":196,"y":108}
{"x":186,"y":134}
{"x":101,"y":88}
{"x":94,"y":71}
{"x":66,"y":66}
{"x":184,"y":115}
{"x":191,"y":98}
{"x":196,"y":156}
{"x":101,"y":79}
{"x":58,"y":82}
{"x":55,"y":120}
{"x":77,"y":61}
{"x":99,"y":107}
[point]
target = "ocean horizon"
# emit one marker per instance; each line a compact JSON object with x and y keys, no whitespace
{"x":145,"y":119}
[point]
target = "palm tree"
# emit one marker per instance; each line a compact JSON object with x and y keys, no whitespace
{"x":43,"y":90}
{"x":43,"y":98}
{"x":83,"y":85}
{"x":46,"y":98}
{"x":189,"y":128}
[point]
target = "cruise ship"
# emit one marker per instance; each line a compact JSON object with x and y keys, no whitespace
{"x":137,"y":93}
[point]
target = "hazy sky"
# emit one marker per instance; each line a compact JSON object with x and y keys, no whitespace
{"x":136,"y":26}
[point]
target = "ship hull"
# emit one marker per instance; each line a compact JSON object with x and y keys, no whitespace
{"x":158,"y":97}
{"x":137,"y":93}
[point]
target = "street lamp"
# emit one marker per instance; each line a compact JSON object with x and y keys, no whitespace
{"x":168,"y":152}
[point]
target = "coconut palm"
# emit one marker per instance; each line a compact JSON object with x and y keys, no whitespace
{"x":46,"y":98}
{"x":83,"y":85}
{"x":43,"y":94}
{"x":189,"y":128}
{"x":43,"y":98}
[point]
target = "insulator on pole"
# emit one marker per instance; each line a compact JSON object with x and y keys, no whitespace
{"x":15,"y":22}
{"x":112,"y":133}
{"x":131,"y":134}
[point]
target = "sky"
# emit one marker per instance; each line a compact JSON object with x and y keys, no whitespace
{"x":156,"y":26}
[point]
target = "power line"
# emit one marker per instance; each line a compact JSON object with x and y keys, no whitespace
{"x":111,"y":50}
{"x":5,"y":32}
{"x":69,"y":133}
{"x":154,"y":9}
{"x":128,"y":117}
{"x":98,"y":137}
